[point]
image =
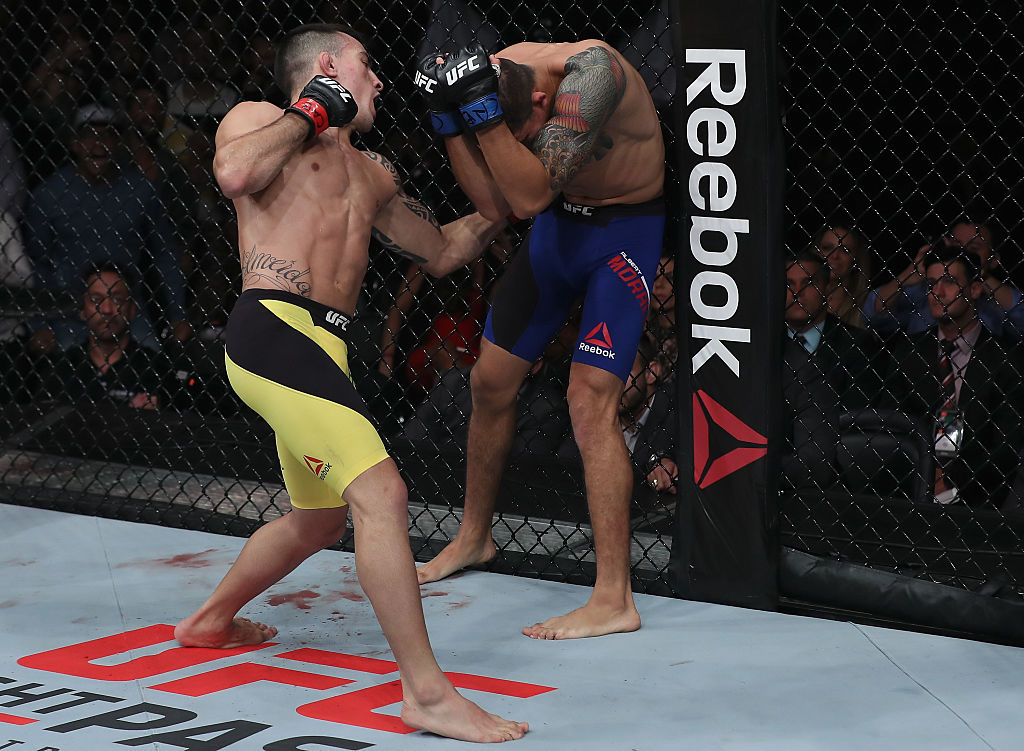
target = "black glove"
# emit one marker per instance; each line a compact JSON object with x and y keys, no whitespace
{"x":325,"y":103}
{"x":469,"y":81}
{"x":445,"y":118}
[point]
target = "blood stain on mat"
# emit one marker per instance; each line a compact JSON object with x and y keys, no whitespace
{"x":434,"y":594}
{"x":298,"y":599}
{"x":184,"y":560}
{"x":8,"y":604}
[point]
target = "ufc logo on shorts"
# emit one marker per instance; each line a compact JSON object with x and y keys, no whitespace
{"x":462,"y":69}
{"x":335,"y":318}
{"x":341,"y":90}
{"x":575,"y":208}
{"x":424,"y":82}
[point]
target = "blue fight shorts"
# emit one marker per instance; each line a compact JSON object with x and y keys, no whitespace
{"x":608,"y":255}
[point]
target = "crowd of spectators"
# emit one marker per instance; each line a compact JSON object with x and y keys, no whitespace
{"x":940,"y":342}
{"x":114,"y":232}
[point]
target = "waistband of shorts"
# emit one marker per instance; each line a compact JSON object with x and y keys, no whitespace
{"x":333,"y":320}
{"x":602,"y":214}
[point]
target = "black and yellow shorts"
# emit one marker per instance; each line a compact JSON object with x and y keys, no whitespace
{"x":287,"y":358}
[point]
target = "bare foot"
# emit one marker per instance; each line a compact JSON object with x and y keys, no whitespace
{"x":193,"y":632}
{"x":590,"y":620}
{"x":456,"y":556}
{"x":455,"y":716}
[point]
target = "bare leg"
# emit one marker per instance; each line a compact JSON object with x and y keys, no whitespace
{"x":274,"y":550}
{"x":496,"y":378}
{"x":386,"y":571}
{"x":593,"y":404}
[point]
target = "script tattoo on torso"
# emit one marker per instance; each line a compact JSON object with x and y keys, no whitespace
{"x":593,"y":87}
{"x":282,"y":273}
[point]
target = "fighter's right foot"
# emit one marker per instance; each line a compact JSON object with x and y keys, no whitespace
{"x":457,"y":717}
{"x":242,"y":632}
{"x":455,"y":557}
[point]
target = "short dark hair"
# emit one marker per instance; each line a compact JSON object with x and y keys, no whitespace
{"x":515,"y":92}
{"x":939,"y":252}
{"x":296,"y":47}
{"x":807,"y":256}
{"x":104,"y":267}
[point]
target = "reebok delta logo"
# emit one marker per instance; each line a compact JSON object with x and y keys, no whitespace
{"x":744,"y":446}
{"x":599,"y":341}
{"x":318,"y":467}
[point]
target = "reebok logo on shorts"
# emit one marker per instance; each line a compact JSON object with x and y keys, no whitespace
{"x":599,"y":341}
{"x":318,"y":467}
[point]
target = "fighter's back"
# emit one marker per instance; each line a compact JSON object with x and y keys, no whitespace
{"x":632,"y":170}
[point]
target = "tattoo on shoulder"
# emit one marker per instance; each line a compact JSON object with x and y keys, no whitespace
{"x":394,"y":247}
{"x":373,"y":156}
{"x":282,"y":273}
{"x":593,"y":87}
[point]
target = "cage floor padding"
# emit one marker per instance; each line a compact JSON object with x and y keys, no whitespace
{"x":88,"y":662}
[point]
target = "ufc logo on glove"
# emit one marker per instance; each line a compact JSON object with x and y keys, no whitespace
{"x":462,"y":69}
{"x":341,"y":90}
{"x":424,"y":82}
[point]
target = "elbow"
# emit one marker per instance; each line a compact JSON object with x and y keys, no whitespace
{"x":491,"y":213}
{"x":527,"y":207}
{"x":436,"y":268}
{"x":232,"y":178}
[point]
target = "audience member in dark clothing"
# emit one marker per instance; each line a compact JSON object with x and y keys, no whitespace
{"x":850,"y":359}
{"x":542,"y":415}
{"x":91,"y":212}
{"x":811,"y":421}
{"x":966,"y":379}
{"x":110,"y":365}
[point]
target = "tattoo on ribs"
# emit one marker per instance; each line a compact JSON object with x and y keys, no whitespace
{"x":280,"y":272}
{"x":394,"y":247}
{"x":593,"y":87}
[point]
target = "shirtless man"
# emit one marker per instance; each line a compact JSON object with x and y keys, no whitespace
{"x":569,"y":134}
{"x":308,"y":202}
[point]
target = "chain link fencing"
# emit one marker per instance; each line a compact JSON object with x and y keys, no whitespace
{"x":109,"y":140}
{"x":904,"y":200}
{"x":901,"y":133}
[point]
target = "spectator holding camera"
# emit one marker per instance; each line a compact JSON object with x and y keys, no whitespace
{"x":903,"y":303}
{"x":965,"y":379}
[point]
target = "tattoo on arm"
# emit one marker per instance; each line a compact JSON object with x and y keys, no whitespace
{"x":258,"y":267}
{"x":375,"y":157}
{"x":394,"y":247}
{"x":593,"y":87}
{"x":420,"y":211}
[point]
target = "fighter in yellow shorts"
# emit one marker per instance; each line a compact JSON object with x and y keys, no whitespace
{"x":308,"y":203}
{"x":303,"y":388}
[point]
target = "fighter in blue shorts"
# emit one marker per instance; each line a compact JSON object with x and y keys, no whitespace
{"x":566,"y":133}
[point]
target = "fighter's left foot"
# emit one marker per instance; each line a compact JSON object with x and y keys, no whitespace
{"x":590,"y":620}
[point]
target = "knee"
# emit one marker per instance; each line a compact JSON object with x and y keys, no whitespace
{"x":492,"y":389}
{"x":321,"y":531}
{"x":593,"y":409}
